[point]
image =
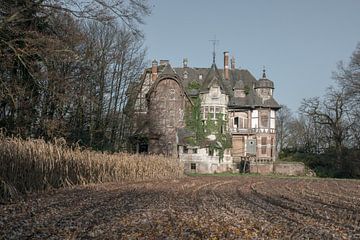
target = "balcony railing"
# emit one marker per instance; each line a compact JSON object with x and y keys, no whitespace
{"x":252,"y":130}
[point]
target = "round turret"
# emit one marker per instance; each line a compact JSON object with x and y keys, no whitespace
{"x":264,"y":87}
{"x":264,"y":82}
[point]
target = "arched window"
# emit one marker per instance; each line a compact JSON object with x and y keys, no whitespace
{"x":243,"y":121}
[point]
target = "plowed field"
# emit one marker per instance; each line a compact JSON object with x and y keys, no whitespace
{"x":244,"y":207}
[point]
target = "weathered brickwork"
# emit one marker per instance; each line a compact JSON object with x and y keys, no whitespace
{"x":166,"y":114}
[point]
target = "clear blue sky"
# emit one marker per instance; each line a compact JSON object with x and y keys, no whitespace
{"x":299,"y":42}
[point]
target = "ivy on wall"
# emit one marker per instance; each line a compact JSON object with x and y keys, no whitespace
{"x":194,"y":123}
{"x":194,"y":85}
{"x":202,"y":129}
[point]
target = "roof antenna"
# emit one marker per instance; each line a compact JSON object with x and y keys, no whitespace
{"x":214,"y":42}
{"x":264,"y":73}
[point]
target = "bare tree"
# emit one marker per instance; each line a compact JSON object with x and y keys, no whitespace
{"x":65,"y":66}
{"x":348,"y":77}
{"x":333,"y":114}
{"x":284,"y":119}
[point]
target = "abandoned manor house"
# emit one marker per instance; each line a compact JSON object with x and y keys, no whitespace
{"x":212,"y":119}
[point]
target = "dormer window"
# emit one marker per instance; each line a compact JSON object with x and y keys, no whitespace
{"x":185,"y":75}
{"x":200,"y":76}
{"x":215,"y":91}
{"x":239,"y":93}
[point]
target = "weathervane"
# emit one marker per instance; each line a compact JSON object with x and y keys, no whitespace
{"x":214,"y":42}
{"x":264,"y":72}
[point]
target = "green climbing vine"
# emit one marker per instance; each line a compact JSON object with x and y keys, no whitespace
{"x":193,"y":121}
{"x":247,"y":90}
{"x":202,"y":129}
{"x":194,"y":85}
{"x":217,"y":127}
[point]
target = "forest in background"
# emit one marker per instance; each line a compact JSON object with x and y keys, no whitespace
{"x":65,"y":67}
{"x":325,"y":133}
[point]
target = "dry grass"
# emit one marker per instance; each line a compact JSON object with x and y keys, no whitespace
{"x":33,"y":165}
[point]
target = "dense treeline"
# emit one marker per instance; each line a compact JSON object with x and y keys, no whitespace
{"x":325,"y":134}
{"x":65,"y":67}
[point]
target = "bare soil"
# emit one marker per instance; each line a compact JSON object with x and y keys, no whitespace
{"x":206,"y":207}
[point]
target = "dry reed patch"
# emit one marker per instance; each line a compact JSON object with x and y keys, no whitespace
{"x":33,"y":165}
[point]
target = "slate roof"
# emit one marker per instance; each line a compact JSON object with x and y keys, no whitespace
{"x":238,"y":79}
{"x":213,"y":76}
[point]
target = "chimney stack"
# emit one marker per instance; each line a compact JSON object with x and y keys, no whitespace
{"x":164,"y":62}
{"x":226,"y":65}
{"x":232,"y":61}
{"x":154,"y":70}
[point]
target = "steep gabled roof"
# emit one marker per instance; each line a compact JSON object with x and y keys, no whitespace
{"x":168,"y":70}
{"x":168,"y":73}
{"x":213,"y":76}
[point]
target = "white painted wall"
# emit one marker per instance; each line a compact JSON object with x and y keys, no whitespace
{"x":214,"y":97}
{"x":272,"y":114}
{"x":272,"y":123}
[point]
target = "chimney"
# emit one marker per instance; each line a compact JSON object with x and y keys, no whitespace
{"x":232,"y":61}
{"x":226,"y":65}
{"x":154,"y":70}
{"x":185,"y":62}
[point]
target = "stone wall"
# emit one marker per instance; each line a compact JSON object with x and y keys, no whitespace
{"x":208,"y":167}
{"x":203,"y":163}
{"x":201,"y":166}
{"x":261,"y":168}
{"x":290,"y":169}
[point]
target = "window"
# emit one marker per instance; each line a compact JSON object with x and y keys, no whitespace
{"x":172,"y":94}
{"x":211,"y":152}
{"x":263,"y":145}
{"x":206,"y":112}
{"x":193,"y":166}
{"x":214,"y":92}
{"x":264,"y":119}
{"x":243,"y":121}
{"x":195,"y":150}
{"x":239,"y":93}
{"x":236,"y":122}
{"x":212,"y":115}
{"x":185,"y":149}
{"x":265,"y":92}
